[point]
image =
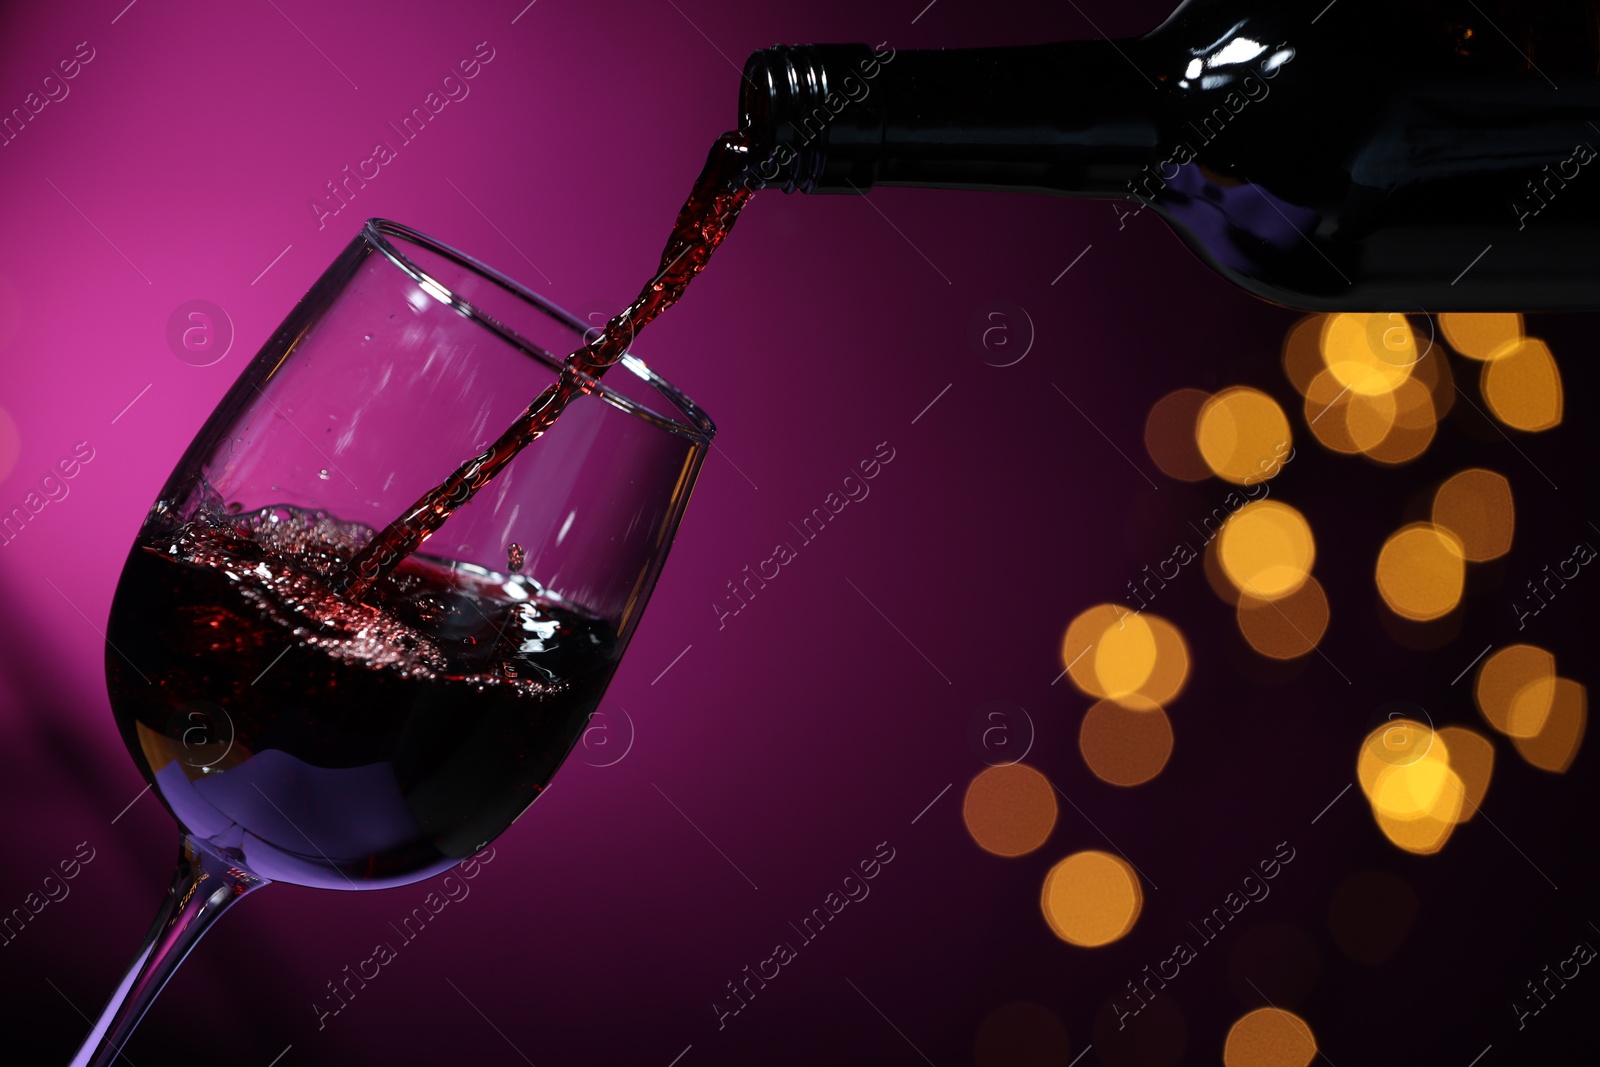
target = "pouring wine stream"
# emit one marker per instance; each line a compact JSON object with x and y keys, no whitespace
{"x":704,"y":220}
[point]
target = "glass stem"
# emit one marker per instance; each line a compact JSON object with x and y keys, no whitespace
{"x":203,"y":887}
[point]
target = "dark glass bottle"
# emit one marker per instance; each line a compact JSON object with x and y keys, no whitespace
{"x":1372,"y":155}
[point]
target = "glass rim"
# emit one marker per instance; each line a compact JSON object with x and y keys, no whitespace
{"x":694,"y":424}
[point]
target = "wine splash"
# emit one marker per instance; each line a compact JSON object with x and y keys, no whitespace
{"x":398,"y":734}
{"x":704,"y":220}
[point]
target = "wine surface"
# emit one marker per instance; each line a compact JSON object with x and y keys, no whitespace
{"x":363,"y":744}
{"x":703,"y":221}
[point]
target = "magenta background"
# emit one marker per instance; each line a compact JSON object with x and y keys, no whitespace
{"x":807,"y":730}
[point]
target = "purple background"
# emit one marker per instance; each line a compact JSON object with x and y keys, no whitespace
{"x":824,"y":717}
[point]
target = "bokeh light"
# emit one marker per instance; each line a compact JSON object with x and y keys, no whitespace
{"x":1124,"y":656}
{"x":1326,"y":411}
{"x":1302,"y":352}
{"x":1082,"y":638}
{"x":1472,"y":758}
{"x":1370,"y":354}
{"x":1478,"y":335}
{"x":1522,"y":386}
{"x":1269,"y":1037}
{"x":1009,"y":810}
{"x":1556,"y":744}
{"x":1170,"y":669}
{"x":1424,"y":789}
{"x":1243,"y":435}
{"x":1515,"y":688}
{"x":1369,"y":418}
{"x":1021,"y":1035}
{"x":1423,"y":836}
{"x":1169,"y":435}
{"x":1266,"y":549}
{"x":1109,"y":651}
{"x":1396,"y":743}
{"x":1410,"y":429}
{"x":1368,"y":388}
{"x":1417,"y":795}
{"x":1531,"y":707}
{"x":1125,"y":744}
{"x":1476,"y":506}
{"x":1421,"y":572}
{"x":1288,"y":627}
{"x":1433,"y":372}
{"x":1091,"y":898}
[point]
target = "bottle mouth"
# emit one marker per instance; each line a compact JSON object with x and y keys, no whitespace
{"x":779,"y":84}
{"x":757,"y":86}
{"x":802,"y":126}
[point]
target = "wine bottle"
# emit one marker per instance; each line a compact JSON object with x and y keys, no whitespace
{"x":1371,"y":155}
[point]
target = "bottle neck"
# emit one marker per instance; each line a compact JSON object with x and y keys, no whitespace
{"x":1074,"y":118}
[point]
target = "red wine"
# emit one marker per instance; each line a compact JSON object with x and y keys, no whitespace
{"x":704,"y":220}
{"x":365,"y":744}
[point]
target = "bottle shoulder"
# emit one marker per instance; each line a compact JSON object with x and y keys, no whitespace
{"x":1301,"y":157}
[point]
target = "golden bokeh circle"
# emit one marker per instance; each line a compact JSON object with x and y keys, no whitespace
{"x":1326,"y":407}
{"x":1091,"y":898}
{"x":1243,"y":435}
{"x":1472,"y":758}
{"x":1421,"y":783}
{"x":1415,"y":421}
{"x":1421,"y":836}
{"x":1479,"y":335}
{"x":1288,"y":627}
{"x":1110,"y":651}
{"x":1302,"y":352}
{"x":1124,"y":656}
{"x":1269,"y":1037}
{"x":1169,"y":435}
{"x":1369,"y":354}
{"x":1555,"y":746}
{"x":1427,"y":788}
{"x":1476,"y":506}
{"x":1082,"y":638}
{"x":1399,"y":742}
{"x":1009,"y":810}
{"x":1433,"y":372}
{"x":1369,"y":418}
{"x":1125,"y":743}
{"x":1266,"y":549}
{"x":1170,"y":672}
{"x":1522,"y":386}
{"x":1421,"y":572}
{"x":1515,"y":689}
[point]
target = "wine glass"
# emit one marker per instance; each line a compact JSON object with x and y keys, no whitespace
{"x":300,"y":736}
